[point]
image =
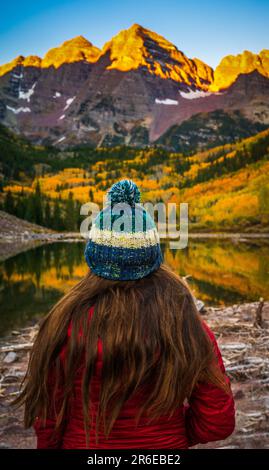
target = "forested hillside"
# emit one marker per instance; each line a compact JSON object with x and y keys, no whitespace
{"x":226,"y":187}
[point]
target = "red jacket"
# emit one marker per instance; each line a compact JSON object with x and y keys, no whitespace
{"x":210,"y":416}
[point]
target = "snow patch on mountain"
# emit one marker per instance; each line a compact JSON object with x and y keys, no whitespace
{"x":15,"y":75}
{"x":193,"y":95}
{"x":61,"y":139}
{"x":26,"y":95}
{"x":61,"y":117}
{"x":19,"y":110}
{"x":167,"y":101}
{"x":69,"y":101}
{"x":57,"y":95}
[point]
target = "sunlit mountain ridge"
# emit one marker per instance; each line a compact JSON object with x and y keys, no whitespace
{"x":132,"y":91}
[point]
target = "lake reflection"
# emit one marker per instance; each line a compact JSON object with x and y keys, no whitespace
{"x":223,"y":272}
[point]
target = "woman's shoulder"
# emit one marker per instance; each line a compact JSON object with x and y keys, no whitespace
{"x":208,"y":331}
{"x":212,"y":337}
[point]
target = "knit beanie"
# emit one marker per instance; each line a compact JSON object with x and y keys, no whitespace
{"x":123,"y":240}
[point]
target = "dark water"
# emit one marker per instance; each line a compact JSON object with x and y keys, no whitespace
{"x":223,"y":273}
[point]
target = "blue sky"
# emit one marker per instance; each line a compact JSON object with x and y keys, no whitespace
{"x":205,"y":29}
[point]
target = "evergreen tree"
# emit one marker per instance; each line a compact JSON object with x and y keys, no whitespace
{"x":38,"y":209}
{"x":264,"y":203}
{"x":91,"y":195}
{"x":47,"y":216}
{"x":30,"y":209}
{"x":21,"y":207}
{"x":78,"y":216}
{"x":70,"y":213}
{"x":9,"y":203}
{"x":57,"y":223}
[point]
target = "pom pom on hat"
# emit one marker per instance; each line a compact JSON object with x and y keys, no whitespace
{"x":124,"y":191}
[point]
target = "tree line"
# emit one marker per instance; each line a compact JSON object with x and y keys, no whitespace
{"x":59,"y":214}
{"x":254,"y":152}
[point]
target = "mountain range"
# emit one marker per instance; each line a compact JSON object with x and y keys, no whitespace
{"x":138,"y":90}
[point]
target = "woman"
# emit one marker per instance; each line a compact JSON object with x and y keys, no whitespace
{"x":124,"y":359}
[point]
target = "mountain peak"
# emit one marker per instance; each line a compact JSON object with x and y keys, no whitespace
{"x":74,"y":50}
{"x":5,"y":68}
{"x":138,"y":47}
{"x":77,"y":41}
{"x":136,"y":27}
{"x":231,"y":66}
{"x":144,"y":33}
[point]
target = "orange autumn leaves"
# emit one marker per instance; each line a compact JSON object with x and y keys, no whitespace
{"x":233,"y":199}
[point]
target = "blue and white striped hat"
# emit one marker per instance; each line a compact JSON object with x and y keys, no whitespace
{"x":123,"y":241}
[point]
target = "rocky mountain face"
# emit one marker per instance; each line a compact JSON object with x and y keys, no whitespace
{"x":137,"y":90}
{"x":206,"y":130}
{"x":138,"y":48}
{"x":231,"y":67}
{"x":75,"y":50}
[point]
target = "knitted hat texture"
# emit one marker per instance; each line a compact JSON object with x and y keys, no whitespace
{"x":123,"y":240}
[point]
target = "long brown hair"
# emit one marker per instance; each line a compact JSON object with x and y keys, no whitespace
{"x":151,"y":333}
